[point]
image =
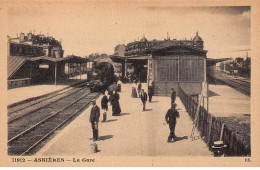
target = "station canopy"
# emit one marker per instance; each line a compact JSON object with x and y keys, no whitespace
{"x":212,"y":61}
{"x":142,"y":55}
{"x":68,"y":59}
{"x":15,"y":62}
{"x":129,"y":59}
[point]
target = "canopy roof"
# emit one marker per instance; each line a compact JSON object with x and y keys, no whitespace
{"x":129,"y":59}
{"x":212,"y":61}
{"x":117,"y":59}
{"x":68,"y":59}
{"x":15,"y":62}
{"x":166,"y":48}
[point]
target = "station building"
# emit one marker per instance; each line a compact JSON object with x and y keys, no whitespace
{"x":168,"y":63}
{"x":34,"y":59}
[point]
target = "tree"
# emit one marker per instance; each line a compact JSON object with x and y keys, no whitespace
{"x":93,"y":56}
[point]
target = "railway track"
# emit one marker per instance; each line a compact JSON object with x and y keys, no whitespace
{"x":26,"y":104}
{"x":239,"y":84}
{"x":28,"y":120}
{"x":26,"y":134}
{"x":29,"y":107}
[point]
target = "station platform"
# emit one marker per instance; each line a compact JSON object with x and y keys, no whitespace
{"x":23,"y":93}
{"x":134,"y":133}
{"x":225,"y":101}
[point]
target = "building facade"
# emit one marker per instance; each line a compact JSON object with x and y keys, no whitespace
{"x":144,"y":46}
{"x":33,"y":59}
{"x":177,"y":66}
{"x":168,"y":63}
{"x":50,"y":46}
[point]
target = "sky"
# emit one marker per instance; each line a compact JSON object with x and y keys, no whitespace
{"x":90,"y":27}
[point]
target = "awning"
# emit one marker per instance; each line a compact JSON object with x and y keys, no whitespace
{"x":15,"y":62}
{"x":129,"y":59}
{"x":212,"y":61}
{"x":167,"y":47}
{"x":68,"y":59}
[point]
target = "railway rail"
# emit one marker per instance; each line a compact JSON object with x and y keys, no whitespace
{"x":29,"y":107}
{"x":238,"y":83}
{"x":23,"y":105}
{"x":27,"y":132}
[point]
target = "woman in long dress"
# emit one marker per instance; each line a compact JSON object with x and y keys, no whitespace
{"x":116,"y":109}
{"x":134,"y":92}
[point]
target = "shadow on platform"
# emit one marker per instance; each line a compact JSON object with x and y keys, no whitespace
{"x":148,"y":110}
{"x":106,"y":137}
{"x":180,"y":138}
{"x":155,"y":101}
{"x":212,"y":94}
{"x":112,"y":120}
{"x":122,"y":114}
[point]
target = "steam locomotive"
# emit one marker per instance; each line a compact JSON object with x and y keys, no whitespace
{"x":101,"y":77}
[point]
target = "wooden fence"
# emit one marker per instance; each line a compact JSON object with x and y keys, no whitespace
{"x":209,"y":127}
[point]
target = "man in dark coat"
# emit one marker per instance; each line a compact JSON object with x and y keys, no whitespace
{"x":143,"y":96}
{"x":150,"y":92}
{"x":170,"y":119}
{"x":173,"y":96}
{"x":94,"y":119}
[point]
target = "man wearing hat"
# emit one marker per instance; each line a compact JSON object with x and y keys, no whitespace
{"x":151,"y":91}
{"x":173,"y":96}
{"x":94,"y":119}
{"x":170,"y":119}
{"x":143,"y":96}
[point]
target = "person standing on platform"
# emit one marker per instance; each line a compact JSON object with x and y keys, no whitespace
{"x":104,"y":106}
{"x":110,"y":98}
{"x":143,"y":96}
{"x":170,"y":119}
{"x":150,"y":92}
{"x":173,"y":96}
{"x":134,"y":93}
{"x":119,"y":85}
{"x":139,"y":88}
{"x":116,"y":109}
{"x":94,"y":119}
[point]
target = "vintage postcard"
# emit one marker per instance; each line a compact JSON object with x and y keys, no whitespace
{"x":129,"y":83}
